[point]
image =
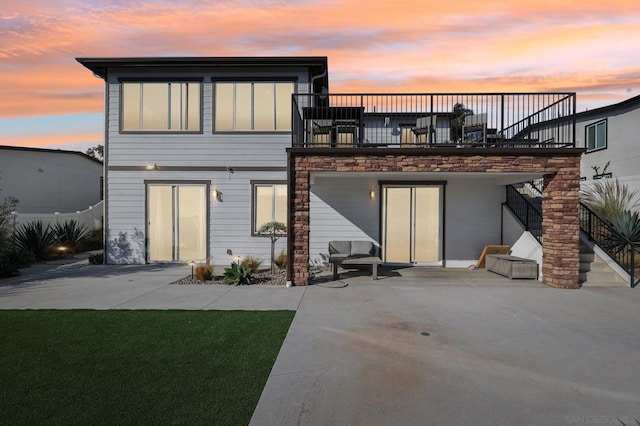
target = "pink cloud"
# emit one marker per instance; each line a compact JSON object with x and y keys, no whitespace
{"x":462,"y":45}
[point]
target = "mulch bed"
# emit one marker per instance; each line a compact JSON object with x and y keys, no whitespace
{"x":264,"y":277}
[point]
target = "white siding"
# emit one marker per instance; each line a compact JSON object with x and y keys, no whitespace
{"x":623,"y":146}
{"x":229,"y":219}
{"x":340,"y":209}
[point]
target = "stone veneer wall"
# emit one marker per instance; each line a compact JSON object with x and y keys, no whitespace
{"x":560,"y":206}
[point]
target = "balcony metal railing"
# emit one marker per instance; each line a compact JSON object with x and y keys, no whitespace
{"x":519,"y":120}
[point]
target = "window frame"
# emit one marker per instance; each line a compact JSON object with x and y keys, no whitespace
{"x":595,"y":127}
{"x":167,"y":80}
{"x":252,"y":81}
{"x":254,"y":201}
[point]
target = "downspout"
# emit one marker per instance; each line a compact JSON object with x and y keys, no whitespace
{"x":316,"y":77}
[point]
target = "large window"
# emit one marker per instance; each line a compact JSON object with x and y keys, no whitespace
{"x":253,"y":106}
{"x":161,"y":107}
{"x":269,"y":204}
{"x":596,"y":136}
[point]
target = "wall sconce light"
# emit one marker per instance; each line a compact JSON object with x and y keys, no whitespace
{"x":217,"y":195}
{"x":153,"y":166}
{"x":372,"y":194}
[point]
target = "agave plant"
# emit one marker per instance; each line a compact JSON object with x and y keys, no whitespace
{"x":35,"y":238}
{"x":237,"y":274}
{"x":609,"y":198}
{"x":626,"y":223}
{"x":71,"y":233}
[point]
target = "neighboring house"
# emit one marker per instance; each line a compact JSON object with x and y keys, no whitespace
{"x":611,"y":136}
{"x":199,"y":152}
{"x":50,"y":180}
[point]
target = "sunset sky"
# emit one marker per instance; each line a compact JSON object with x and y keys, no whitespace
{"x":591,"y":47}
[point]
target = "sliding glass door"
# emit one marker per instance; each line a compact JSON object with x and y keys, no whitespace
{"x":412,"y":224}
{"x":176,"y":222}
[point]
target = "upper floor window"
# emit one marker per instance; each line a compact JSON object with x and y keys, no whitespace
{"x":596,"y":135}
{"x":161,"y":107}
{"x":248,"y":106}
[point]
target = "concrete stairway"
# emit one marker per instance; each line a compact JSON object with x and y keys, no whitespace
{"x":594,"y":272}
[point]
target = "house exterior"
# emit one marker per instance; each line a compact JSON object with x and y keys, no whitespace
{"x":50,"y":180}
{"x":610,"y":137}
{"x":195,"y":154}
{"x":201,"y":151}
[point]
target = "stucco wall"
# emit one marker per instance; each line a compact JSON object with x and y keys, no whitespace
{"x":49,"y":182}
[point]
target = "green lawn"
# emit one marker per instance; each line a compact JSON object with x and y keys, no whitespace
{"x":136,"y":367}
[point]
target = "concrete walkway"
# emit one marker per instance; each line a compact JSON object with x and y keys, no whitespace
{"x":417,"y":347}
{"x":82,"y":286}
{"x":446,"y":347}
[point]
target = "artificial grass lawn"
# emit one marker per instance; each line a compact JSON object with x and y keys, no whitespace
{"x":136,"y":367}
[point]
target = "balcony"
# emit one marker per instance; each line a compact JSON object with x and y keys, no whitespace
{"x":487,"y":120}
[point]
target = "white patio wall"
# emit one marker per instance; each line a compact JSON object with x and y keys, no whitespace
{"x":341,"y":209}
{"x":91,"y":217}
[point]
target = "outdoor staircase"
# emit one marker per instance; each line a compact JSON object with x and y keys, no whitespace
{"x":525,"y":201}
{"x":594,"y":271}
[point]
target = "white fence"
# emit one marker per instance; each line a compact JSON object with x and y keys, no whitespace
{"x":91,"y":217}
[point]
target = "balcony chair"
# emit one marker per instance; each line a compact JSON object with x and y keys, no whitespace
{"x":474,"y":130}
{"x":424,"y":127}
{"x":321,"y":132}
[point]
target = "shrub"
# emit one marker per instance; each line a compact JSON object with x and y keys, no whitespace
{"x":71,"y":233}
{"x":34,"y":238}
{"x":252,"y":263}
{"x":281,"y":260}
{"x":609,"y":198}
{"x":204,"y":272}
{"x":237,"y":274}
{"x":96,"y":259}
{"x":94,"y":242}
{"x":8,"y":266}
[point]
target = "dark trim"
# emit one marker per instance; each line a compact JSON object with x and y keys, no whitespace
{"x":160,"y":132}
{"x":606,"y":135}
{"x":256,"y":79}
{"x":100,"y":66}
{"x":436,"y":151}
{"x":290,"y":212}
{"x":253,"y":184}
{"x":157,"y":79}
{"x":414,"y":182}
{"x":197,"y":169}
{"x":53,"y":151}
{"x":105,"y":173}
{"x":176,"y":182}
{"x":250,"y":132}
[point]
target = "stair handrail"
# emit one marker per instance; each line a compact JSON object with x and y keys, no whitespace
{"x":527,"y":221}
{"x":609,"y":230}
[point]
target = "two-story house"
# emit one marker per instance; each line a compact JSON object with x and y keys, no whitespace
{"x":199,"y":152}
{"x":610,"y":136}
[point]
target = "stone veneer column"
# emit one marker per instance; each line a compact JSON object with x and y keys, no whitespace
{"x":301,"y":223}
{"x":561,"y":226}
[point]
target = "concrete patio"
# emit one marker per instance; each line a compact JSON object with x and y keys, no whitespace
{"x":420,"y":346}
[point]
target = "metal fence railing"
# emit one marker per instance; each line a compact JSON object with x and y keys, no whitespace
{"x":520,"y":120}
{"x":619,"y":247}
{"x":525,"y":211}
